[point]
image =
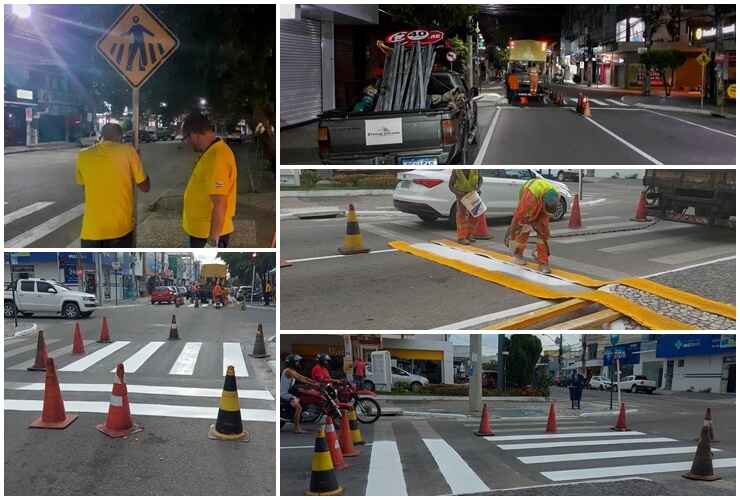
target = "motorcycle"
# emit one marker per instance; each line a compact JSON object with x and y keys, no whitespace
{"x":315,"y":403}
{"x":363,"y":401}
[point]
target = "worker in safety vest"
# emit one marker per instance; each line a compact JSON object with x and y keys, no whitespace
{"x":538,"y":201}
{"x":512,"y":84}
{"x":534,"y":77}
{"x":462,"y":182}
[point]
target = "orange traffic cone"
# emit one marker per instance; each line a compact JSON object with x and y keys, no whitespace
{"x":352,"y":238}
{"x":104,"y":334}
{"x":480,"y":231}
{"x":197,"y":302}
{"x":323,"y":477}
{"x":53,"y":415}
{"x":702,"y":468}
{"x":552,"y":426}
{"x":621,"y":421}
{"x":259,"y":344}
{"x":78,"y":347}
{"x":708,"y":421}
{"x":173,"y":330}
{"x":177,"y":302}
{"x":586,"y":107}
{"x":560,"y":98}
{"x":334,"y":448}
{"x":41,"y":355}
{"x":284,"y":263}
{"x":579,"y":105}
{"x":641,"y":215}
{"x":485,"y":425}
{"x":575,"y":215}
{"x":119,"y":422}
{"x":229,"y":425}
{"x":345,"y":437}
{"x":523,"y":100}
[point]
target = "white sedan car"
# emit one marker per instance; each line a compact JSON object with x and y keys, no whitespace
{"x":397,"y":375}
{"x":426,"y":193}
{"x":93,"y":137}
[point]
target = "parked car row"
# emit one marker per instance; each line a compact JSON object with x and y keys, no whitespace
{"x":161,"y":134}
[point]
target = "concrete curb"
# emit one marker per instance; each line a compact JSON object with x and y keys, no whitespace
{"x":606,"y":413}
{"x":32,"y":330}
{"x":512,"y":399}
{"x":705,"y":112}
{"x":334,"y":192}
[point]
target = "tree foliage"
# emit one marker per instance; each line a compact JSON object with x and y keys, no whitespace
{"x":661,"y":61}
{"x":441,"y":17}
{"x":524,"y":352}
{"x":240,"y":265}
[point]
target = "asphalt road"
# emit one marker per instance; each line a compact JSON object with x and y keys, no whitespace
{"x":541,"y":133}
{"x":387,"y":289}
{"x":44,"y":205}
{"x":439,"y":455}
{"x":173,"y":455}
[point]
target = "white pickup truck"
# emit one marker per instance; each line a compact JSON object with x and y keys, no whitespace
{"x":42,"y":296}
{"x":635,"y":383}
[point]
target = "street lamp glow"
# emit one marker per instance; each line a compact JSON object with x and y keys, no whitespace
{"x":162,"y":104}
{"x":202,"y":101}
{"x":22,"y":11}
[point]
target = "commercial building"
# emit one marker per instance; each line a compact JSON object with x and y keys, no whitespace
{"x":430,"y":356}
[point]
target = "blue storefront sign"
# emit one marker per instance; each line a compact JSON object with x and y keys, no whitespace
{"x":627,"y":354}
{"x":70,"y":274}
{"x":673,"y":346}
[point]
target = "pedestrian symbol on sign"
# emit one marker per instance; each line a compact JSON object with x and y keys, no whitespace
{"x":137,"y":31}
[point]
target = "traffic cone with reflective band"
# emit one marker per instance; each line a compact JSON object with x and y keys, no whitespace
{"x":480,"y":231}
{"x":173,"y":330}
{"x":579,"y":105}
{"x":259,"y":344}
{"x":586,"y":107}
{"x":323,"y":477}
{"x":552,"y":426}
{"x":104,"y":334}
{"x":334,"y":449}
{"x":708,"y":421}
{"x":485,"y":425}
{"x":354,"y":428}
{"x":197,"y":302}
{"x":229,"y":421}
{"x":560,"y":98}
{"x":641,"y":215}
{"x":42,"y":355}
{"x":702,"y":468}
{"x":353,"y":239}
{"x":177,"y":302}
{"x":53,"y":415}
{"x":621,"y":421}
{"x":345,"y":437}
{"x":119,"y":422}
{"x":575,"y":215}
{"x":78,"y":346}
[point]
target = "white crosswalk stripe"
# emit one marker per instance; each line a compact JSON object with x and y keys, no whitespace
{"x":597,"y":102}
{"x":31,"y":235}
{"x":34,"y":207}
{"x":618,"y":103}
{"x":607,"y":103}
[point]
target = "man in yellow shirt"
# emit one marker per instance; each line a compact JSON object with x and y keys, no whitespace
{"x":107,"y":171}
{"x":210,"y":196}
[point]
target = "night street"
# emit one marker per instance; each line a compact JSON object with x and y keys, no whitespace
{"x":388,"y":289}
{"x":431,"y":449}
{"x":174,"y":390}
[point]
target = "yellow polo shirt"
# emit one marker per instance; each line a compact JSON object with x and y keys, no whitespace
{"x":108,"y":171}
{"x":214,"y":173}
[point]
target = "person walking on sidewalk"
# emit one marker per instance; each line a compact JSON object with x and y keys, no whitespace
{"x":358,"y":372}
{"x":462,"y":182}
{"x":107,"y":171}
{"x":267,"y":293}
{"x":538,"y":201}
{"x":209,"y":203}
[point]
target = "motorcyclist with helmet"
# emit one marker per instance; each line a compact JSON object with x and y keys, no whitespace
{"x":288,"y":378}
{"x":320,"y":372}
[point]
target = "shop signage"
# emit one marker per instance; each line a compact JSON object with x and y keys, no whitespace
{"x":672,"y":346}
{"x":627,"y":354}
{"x":29,"y":114}
{"x":719,"y":57}
{"x":21,"y":268}
{"x":24,"y":94}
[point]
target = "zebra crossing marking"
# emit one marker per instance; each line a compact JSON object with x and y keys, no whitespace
{"x":596,"y":101}
{"x":234,"y":356}
{"x":684,"y":257}
{"x":598,"y":442}
{"x":92,"y":358}
{"x":185,"y":364}
{"x":29,"y":347}
{"x":628,"y":470}
{"x":139,"y":358}
{"x":34,"y":234}
{"x":618,"y":103}
{"x":385,"y":475}
{"x":28,"y":210}
{"x":601,"y":455}
{"x":560,"y":436}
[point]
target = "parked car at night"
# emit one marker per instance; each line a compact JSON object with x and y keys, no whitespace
{"x":163,"y":134}
{"x":162,"y":294}
{"x":426,"y":193}
{"x":91,"y":138}
{"x":143,"y":136}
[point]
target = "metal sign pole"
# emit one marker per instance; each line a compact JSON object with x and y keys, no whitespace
{"x":135,"y":139}
{"x":703,"y":74}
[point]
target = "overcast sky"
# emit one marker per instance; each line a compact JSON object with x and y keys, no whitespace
{"x":490,"y":341}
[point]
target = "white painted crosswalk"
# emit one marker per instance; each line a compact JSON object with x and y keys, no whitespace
{"x":31,"y":235}
{"x":602,"y":103}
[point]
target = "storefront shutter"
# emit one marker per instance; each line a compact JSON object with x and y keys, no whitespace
{"x":300,"y":71}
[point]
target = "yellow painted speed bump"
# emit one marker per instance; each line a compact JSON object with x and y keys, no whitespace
{"x":590,"y":321}
{"x":540,"y":315}
{"x":323,"y":477}
{"x":353,"y":239}
{"x":229,"y":421}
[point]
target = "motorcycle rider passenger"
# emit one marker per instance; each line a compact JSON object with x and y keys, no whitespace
{"x":288,"y":379}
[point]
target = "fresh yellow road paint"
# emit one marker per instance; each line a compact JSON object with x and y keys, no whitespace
{"x":550,"y":287}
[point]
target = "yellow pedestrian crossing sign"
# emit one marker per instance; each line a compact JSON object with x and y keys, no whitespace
{"x":703,"y":59}
{"x":137,"y":44}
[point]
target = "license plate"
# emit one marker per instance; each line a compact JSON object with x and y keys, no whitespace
{"x":405,"y":184}
{"x":419,"y":161}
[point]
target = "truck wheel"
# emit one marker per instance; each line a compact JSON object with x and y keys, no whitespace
{"x":9,"y":310}
{"x":560,"y":213}
{"x":70,"y":310}
{"x":634,"y":389}
{"x":561,"y":176}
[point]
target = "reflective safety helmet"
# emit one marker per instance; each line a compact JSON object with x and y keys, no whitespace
{"x":552,"y":200}
{"x":294,"y":361}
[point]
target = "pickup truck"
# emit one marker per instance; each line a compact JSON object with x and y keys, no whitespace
{"x":47,"y":297}
{"x":635,"y":383}
{"x":436,"y":135}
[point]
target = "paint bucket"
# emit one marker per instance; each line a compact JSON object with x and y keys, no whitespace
{"x":473,"y":203}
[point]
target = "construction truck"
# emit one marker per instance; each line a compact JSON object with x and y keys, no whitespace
{"x":675,"y":194}
{"x":413,"y":115}
{"x":527,"y":61}
{"x":210,"y":274}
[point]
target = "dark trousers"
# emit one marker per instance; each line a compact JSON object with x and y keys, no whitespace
{"x":193,"y":242}
{"x":267,"y":298}
{"x":126,"y":241}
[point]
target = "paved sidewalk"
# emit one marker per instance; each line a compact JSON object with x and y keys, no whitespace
{"x":44,"y":146}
